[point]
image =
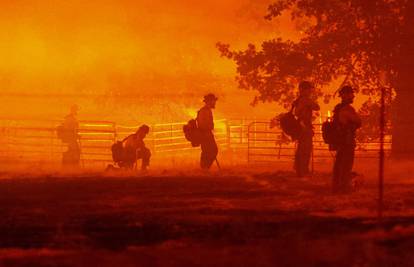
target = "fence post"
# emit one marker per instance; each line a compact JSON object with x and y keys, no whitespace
{"x":115,"y":132}
{"x":228,"y":135}
{"x":313,"y":160}
{"x":248,"y":142}
{"x":248,"y":145}
{"x":171,"y":133}
{"x":255,"y":132}
{"x":52,"y":143}
{"x":154,"y":141}
{"x":8,"y":140}
{"x":241,"y":131}
{"x":381,"y":158}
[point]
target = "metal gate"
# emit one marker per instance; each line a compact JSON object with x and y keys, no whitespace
{"x":272,"y":145}
{"x":26,"y":141}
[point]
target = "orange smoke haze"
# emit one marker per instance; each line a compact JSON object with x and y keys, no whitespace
{"x":126,"y":60}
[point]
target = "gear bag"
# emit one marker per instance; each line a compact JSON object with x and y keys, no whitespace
{"x":290,"y":125}
{"x":192,"y":133}
{"x":64,"y":134}
{"x":331,"y":132}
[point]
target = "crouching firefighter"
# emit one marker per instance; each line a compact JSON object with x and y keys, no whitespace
{"x":126,"y":152}
{"x":205,"y":124}
{"x":346,"y":121}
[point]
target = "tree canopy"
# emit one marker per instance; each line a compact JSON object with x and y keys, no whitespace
{"x":356,"y":39}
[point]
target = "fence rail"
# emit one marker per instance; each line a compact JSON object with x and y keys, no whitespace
{"x":252,"y":141}
{"x":268,"y":145}
{"x":27,"y":140}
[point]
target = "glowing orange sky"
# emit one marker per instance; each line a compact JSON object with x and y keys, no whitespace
{"x":74,"y":37}
{"x":101,"y":46}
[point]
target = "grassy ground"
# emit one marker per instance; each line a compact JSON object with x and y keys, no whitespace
{"x":228,"y":219}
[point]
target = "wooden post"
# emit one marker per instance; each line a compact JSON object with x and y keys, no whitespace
{"x":381,"y":158}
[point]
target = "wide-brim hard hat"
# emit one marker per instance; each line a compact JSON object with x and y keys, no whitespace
{"x":346,"y":90}
{"x":210,"y":97}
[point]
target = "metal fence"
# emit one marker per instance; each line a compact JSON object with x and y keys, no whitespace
{"x":269,"y":145}
{"x":36,"y":140}
{"x":252,"y":141}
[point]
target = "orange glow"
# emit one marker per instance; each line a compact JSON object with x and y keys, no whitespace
{"x":89,"y":51}
{"x":220,"y":126}
{"x":128,"y":61}
{"x":328,"y":116}
{"x":192,"y":113}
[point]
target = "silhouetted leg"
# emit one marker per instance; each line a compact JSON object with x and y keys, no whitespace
{"x":337,"y":171}
{"x":72,"y":156}
{"x":129,"y":158}
{"x":303,"y":154}
{"x":342,"y":174}
{"x":348,"y":162}
{"x":145,"y":155}
{"x":209,"y":151}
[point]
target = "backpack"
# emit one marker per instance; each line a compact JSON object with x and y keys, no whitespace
{"x":63,"y":134}
{"x":331,"y":131}
{"x":330,"y":134}
{"x":192,"y":133}
{"x":117,"y":152}
{"x":290,"y":125}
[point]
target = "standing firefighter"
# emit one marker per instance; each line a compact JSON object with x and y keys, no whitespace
{"x":304,"y":106}
{"x":134,"y":148}
{"x":346,"y":121}
{"x":68,"y":132}
{"x":205,"y":123}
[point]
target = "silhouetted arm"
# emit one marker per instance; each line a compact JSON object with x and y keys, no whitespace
{"x":348,"y":115}
{"x":315,"y":106}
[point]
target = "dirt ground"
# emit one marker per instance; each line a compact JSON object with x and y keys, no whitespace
{"x":220,"y":219}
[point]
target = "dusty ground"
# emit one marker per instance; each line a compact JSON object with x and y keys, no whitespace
{"x":227,"y":219}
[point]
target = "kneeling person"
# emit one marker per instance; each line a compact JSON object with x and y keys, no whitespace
{"x":134,"y":149}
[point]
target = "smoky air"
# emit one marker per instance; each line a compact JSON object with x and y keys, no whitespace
{"x":206,"y":133}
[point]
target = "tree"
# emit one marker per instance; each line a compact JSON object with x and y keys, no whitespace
{"x":356,"y":39}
